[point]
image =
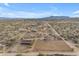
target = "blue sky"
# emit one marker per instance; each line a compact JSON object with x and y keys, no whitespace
{"x":38,"y":10}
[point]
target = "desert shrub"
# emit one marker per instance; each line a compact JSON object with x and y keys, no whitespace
{"x":18,"y":54}
{"x":40,"y":54}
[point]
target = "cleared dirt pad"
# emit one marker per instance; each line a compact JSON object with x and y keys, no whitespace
{"x":52,"y":45}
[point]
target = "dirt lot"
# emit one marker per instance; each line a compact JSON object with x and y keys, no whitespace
{"x":52,"y":45}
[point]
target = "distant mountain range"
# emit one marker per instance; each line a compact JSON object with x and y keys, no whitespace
{"x":55,"y":18}
{"x":45,"y":18}
{"x":59,"y":18}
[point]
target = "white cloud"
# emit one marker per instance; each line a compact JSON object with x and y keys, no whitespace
{"x":4,"y":12}
{"x":6,"y":4}
{"x":75,"y":15}
{"x":76,"y":12}
{"x":24,"y":14}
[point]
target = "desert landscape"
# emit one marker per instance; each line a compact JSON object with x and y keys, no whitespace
{"x":39,"y":37}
